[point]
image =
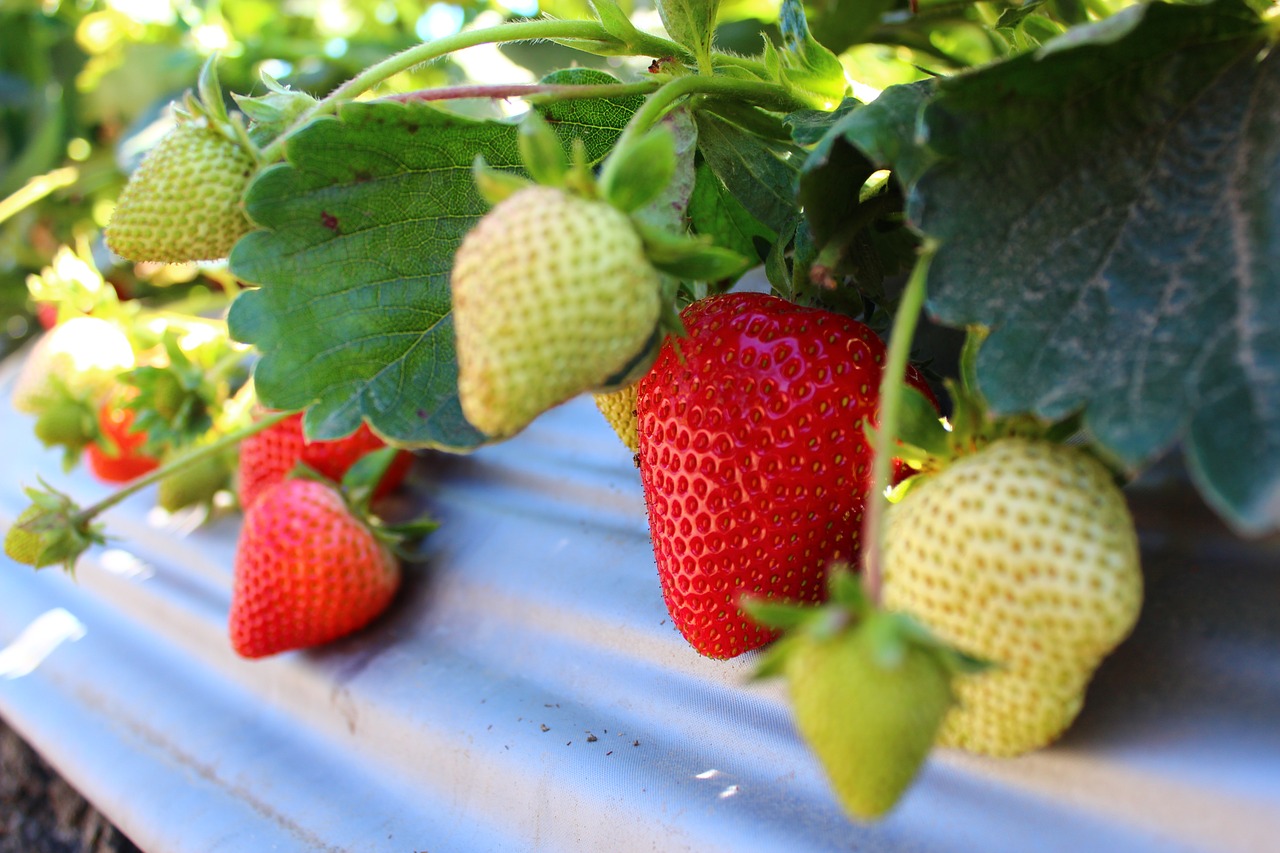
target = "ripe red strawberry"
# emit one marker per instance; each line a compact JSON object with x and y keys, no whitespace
{"x":117,"y":457}
{"x":307,"y":571}
{"x":754,"y":459}
{"x":267,"y":457}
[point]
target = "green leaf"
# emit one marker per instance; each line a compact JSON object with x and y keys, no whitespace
{"x":713,"y":211}
{"x":691,"y":23}
{"x":808,"y":65}
{"x":1108,"y":207}
{"x":353,"y":318}
{"x":884,"y":132}
{"x":839,"y":24}
{"x":760,"y":174}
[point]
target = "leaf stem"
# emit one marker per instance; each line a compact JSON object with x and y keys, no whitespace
{"x":178,"y":463}
{"x":432,"y":50}
{"x":538,"y":92}
{"x":891,"y":384}
{"x":771,"y":96}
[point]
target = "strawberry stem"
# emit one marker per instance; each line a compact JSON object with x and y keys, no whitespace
{"x":536,"y":30}
{"x":771,"y":96}
{"x":892,"y":381}
{"x":541,"y":93}
{"x":178,"y":463}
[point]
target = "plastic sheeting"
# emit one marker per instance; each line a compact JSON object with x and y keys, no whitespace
{"x":527,"y":693}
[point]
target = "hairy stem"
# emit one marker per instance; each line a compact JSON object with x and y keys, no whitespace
{"x":538,"y":92}
{"x":770,"y":96}
{"x":432,"y":50}
{"x":891,"y":383}
{"x":178,"y":463}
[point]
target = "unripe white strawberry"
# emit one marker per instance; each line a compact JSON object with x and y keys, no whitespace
{"x":1023,"y":554}
{"x":619,"y":409}
{"x":183,"y":203}
{"x":553,"y":295}
{"x":78,"y":360}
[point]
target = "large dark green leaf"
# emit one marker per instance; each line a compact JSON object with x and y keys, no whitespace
{"x":759,"y":173}
{"x":1110,"y":207}
{"x":359,"y":227}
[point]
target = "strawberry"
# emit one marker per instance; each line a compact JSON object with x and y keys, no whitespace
{"x":183,"y":203}
{"x":553,"y":295}
{"x":1023,"y":554}
{"x":267,"y":458}
{"x":754,"y":459}
{"x":52,"y":529}
{"x":619,"y":409}
{"x":78,"y":360}
{"x":196,"y":485}
{"x":307,"y":571}
{"x":868,"y":690}
{"x":117,"y":456}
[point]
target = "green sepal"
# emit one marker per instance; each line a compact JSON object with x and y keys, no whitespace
{"x":541,"y":150}
{"x":362,"y":478}
{"x":210,"y":90}
{"x":919,"y":424}
{"x":637,"y":366}
{"x":495,"y":185}
{"x":637,"y":173}
{"x":51,"y":530}
{"x":615,"y":21}
{"x":270,"y":115}
{"x":689,"y":258}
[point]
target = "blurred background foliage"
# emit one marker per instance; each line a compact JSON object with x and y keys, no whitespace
{"x":85,"y":87}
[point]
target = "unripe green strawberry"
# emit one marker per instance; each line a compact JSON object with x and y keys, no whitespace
{"x":78,"y":360}
{"x":196,"y":484}
{"x":619,"y":409}
{"x":183,"y":202}
{"x":869,"y":716}
{"x":1023,"y":554}
{"x":553,"y":295}
{"x":50,"y":530}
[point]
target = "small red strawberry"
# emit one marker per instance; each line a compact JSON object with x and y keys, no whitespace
{"x":117,"y":456}
{"x":267,"y":458}
{"x":754,"y":459}
{"x":307,"y":571}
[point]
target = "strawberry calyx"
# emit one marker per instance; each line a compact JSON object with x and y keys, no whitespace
{"x":849,"y":608}
{"x":178,"y":401}
{"x":869,"y":688}
{"x":53,"y":529}
{"x":358,"y":488}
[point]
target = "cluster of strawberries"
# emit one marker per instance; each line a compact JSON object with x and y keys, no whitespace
{"x":312,"y":564}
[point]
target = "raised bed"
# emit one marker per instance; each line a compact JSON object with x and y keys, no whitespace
{"x":526,"y":691}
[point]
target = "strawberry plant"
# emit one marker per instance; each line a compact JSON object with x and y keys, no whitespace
{"x":1079,"y":198}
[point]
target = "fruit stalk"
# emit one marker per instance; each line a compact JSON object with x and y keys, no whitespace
{"x":178,"y":463}
{"x":429,"y":51}
{"x":891,"y":382}
{"x":771,"y":96}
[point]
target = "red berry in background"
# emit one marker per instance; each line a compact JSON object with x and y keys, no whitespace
{"x":267,"y":457}
{"x":307,"y":571}
{"x":754,"y":459}
{"x":121,"y":459}
{"x":47,"y":315}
